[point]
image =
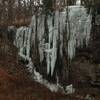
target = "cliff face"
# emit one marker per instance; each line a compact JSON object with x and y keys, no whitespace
{"x":81,"y":71}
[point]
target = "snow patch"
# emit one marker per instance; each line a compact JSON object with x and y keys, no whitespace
{"x":69,"y":89}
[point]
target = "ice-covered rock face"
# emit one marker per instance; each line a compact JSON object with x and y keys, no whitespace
{"x":78,"y":26}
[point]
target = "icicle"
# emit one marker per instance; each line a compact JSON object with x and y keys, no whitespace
{"x":33,"y":27}
{"x":54,"y":54}
{"x":49,"y":49}
{"x":55,"y":38}
{"x":61,"y":45}
{"x":40,"y":26}
{"x":40,"y":34}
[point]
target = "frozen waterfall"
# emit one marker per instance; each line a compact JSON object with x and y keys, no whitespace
{"x":78,"y":26}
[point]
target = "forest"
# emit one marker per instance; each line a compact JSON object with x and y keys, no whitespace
{"x":49,"y":49}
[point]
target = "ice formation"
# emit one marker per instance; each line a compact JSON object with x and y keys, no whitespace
{"x":23,"y":43}
{"x":78,"y":26}
{"x":50,"y":47}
